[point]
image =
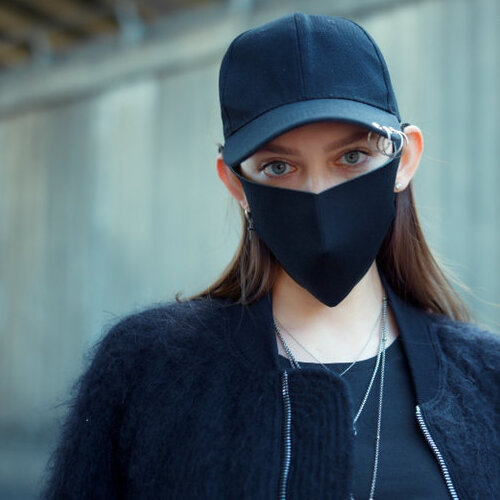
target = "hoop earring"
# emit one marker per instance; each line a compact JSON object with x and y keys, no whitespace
{"x":250,"y":226}
{"x":379,"y":143}
{"x":402,"y":139}
{"x":391,"y":133}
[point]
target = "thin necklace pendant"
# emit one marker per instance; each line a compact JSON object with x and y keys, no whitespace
{"x":278,"y":327}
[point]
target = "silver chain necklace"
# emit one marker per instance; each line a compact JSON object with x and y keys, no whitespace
{"x":280,"y":327}
{"x":380,"y":363}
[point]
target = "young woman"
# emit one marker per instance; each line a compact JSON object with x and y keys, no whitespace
{"x":329,"y":361}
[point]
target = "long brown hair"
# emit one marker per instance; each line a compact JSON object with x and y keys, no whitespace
{"x":404,"y":259}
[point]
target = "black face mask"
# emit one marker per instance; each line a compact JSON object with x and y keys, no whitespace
{"x":327,"y":241}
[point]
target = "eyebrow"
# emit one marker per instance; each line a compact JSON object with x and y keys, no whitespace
{"x":272,"y":147}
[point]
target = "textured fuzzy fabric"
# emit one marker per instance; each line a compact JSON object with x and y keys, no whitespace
{"x":464,"y":416}
{"x":185,"y":402}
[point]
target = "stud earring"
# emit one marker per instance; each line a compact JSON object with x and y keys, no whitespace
{"x":398,"y":186}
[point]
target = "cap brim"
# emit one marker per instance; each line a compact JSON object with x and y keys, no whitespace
{"x":245,"y":141}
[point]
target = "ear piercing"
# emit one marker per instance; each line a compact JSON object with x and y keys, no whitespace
{"x":248,"y":217}
{"x":396,"y":137}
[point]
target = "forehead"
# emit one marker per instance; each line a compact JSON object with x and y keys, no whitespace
{"x":325,"y":135}
{"x":320,"y":130}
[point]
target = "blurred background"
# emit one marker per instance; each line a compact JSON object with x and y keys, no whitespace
{"x":109,"y":199}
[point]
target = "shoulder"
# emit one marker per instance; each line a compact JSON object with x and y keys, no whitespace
{"x":174,"y":324}
{"x":467,"y":337}
{"x":163,"y":342}
{"x":468,"y":346}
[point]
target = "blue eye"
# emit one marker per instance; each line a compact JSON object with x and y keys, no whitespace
{"x":276,"y":168}
{"x":353,"y":157}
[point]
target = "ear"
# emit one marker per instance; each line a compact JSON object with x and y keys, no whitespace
{"x":410,"y":157}
{"x":232,"y":183}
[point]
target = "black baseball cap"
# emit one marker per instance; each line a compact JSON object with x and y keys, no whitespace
{"x":301,"y":69}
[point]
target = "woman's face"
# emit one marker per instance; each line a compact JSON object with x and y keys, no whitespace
{"x":315,"y":157}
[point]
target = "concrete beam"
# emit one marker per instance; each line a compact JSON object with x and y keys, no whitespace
{"x":183,"y":41}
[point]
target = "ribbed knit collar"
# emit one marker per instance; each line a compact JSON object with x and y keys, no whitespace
{"x":251,"y":328}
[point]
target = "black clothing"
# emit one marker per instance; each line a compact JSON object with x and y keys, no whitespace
{"x":187,"y":401}
{"x":407,"y":467}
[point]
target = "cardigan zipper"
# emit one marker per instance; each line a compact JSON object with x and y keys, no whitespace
{"x":287,"y":443}
{"x":437,"y":453}
{"x":287,"y":436}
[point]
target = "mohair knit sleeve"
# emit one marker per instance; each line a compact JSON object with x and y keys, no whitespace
{"x":86,"y":464}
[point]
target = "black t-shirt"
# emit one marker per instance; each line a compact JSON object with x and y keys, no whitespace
{"x":407,"y":467}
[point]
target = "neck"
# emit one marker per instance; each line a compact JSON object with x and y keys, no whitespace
{"x":332,"y":334}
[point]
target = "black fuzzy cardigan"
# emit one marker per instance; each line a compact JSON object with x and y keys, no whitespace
{"x":185,"y":402}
